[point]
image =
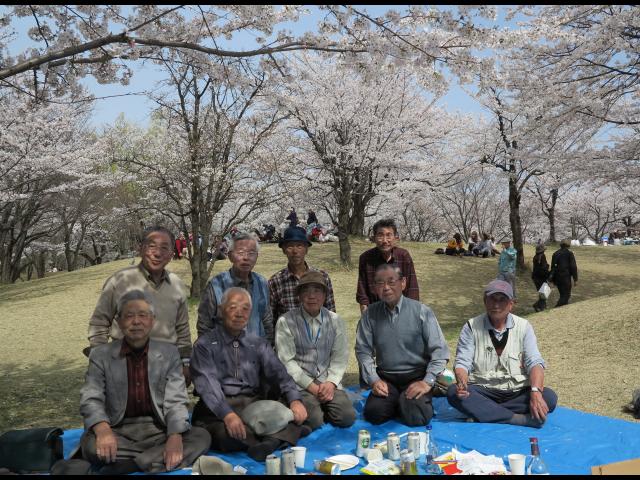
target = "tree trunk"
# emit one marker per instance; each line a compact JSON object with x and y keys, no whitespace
{"x":552,"y":215}
{"x":41,"y":262}
{"x":516,"y":223}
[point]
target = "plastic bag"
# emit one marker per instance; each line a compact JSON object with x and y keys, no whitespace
{"x":545,"y":290}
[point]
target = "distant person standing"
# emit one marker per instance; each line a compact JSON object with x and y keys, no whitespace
{"x":385,"y":236}
{"x":539,"y":275}
{"x":312,"y":218}
{"x":563,"y":267}
{"x":507,"y":264}
{"x":292,"y":217}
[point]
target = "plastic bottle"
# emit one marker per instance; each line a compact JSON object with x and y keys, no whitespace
{"x":537,"y":465}
{"x":431,"y":454}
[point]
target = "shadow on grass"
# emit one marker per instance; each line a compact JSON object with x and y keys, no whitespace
{"x":32,"y":396}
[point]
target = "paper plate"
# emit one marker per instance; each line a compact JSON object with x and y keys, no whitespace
{"x":345,"y":461}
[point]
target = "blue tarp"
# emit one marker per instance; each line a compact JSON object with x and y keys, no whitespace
{"x":571,"y":442}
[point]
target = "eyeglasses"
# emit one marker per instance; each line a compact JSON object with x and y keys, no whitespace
{"x":382,"y":283}
{"x":144,"y":315}
{"x":152,"y":247}
{"x":244,"y":253}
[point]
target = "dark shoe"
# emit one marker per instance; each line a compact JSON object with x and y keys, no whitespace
{"x":267,"y":446}
{"x":121,"y":467}
{"x":305,"y":430}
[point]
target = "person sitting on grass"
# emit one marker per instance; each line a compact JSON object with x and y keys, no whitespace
{"x":401,"y":351}
{"x":455,"y":246}
{"x":312,"y":344}
{"x":229,"y":365}
{"x":134,"y":402}
{"x":499,"y":370}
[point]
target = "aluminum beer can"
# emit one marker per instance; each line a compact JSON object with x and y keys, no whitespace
{"x":393,"y":446}
{"x":326,"y":467}
{"x":272,"y":465}
{"x":364,"y":440}
{"x":413,"y":443}
{"x":408,"y":465}
{"x":288,"y":463}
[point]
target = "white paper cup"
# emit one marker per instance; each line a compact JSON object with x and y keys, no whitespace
{"x":300,"y":453}
{"x":516,"y":463}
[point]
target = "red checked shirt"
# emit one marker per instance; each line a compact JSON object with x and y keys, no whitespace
{"x":138,"y":395}
{"x":282,"y":292}
{"x":372,"y":259}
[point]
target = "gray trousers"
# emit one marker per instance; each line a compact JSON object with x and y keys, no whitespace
{"x":338,"y":412}
{"x":508,"y":277}
{"x":142,"y":440}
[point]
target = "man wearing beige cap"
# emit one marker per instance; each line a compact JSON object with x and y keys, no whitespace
{"x":499,"y":369}
{"x":312,"y":344}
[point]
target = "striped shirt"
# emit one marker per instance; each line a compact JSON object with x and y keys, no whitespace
{"x":138,"y":395}
{"x":282,"y":292}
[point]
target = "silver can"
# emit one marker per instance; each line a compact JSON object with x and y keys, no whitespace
{"x":393,"y":446}
{"x":364,"y":440}
{"x":413,"y":444}
{"x":288,"y":463}
{"x":272,"y":465}
{"x":408,"y":465}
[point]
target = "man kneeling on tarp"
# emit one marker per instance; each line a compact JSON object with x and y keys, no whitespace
{"x":499,"y":369}
{"x":227,"y":365}
{"x":134,"y":401}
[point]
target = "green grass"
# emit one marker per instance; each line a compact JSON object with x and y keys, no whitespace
{"x":592,"y":365}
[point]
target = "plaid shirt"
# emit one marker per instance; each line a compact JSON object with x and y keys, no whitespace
{"x":372,"y":259}
{"x":138,"y":395}
{"x":282,"y":292}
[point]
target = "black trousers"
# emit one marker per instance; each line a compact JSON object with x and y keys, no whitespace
{"x":564,"y":289}
{"x":415,"y":412}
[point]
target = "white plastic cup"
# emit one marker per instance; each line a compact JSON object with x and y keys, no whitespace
{"x":300,"y":453}
{"x":516,"y":463}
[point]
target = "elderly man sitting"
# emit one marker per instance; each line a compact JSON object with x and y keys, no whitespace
{"x":499,"y":370}
{"x":228,"y":365}
{"x":312,"y":344}
{"x":134,"y":401}
{"x":401,"y":350}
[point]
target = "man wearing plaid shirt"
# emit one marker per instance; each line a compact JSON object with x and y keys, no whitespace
{"x":282,"y":285}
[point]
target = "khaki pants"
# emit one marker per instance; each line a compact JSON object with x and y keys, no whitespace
{"x":338,"y":412}
{"x":143,"y":439}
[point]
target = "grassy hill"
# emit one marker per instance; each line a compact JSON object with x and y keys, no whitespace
{"x":591,"y":364}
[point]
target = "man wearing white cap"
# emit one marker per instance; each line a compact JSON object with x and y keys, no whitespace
{"x":499,"y":369}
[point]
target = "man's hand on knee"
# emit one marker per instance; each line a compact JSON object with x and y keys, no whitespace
{"x":299,"y":412}
{"x":380,"y":388}
{"x":235,"y":426}
{"x":417,"y":389}
{"x":173,"y":451}
{"x":106,"y":442}
{"x":326,"y":391}
{"x":538,"y":407}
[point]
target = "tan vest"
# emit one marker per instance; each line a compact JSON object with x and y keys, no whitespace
{"x":504,"y":372}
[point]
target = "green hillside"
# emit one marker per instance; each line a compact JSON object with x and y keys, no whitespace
{"x":43,"y":325}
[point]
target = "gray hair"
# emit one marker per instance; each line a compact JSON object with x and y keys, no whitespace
{"x":133,"y":295}
{"x":244,"y":236}
{"x":227,"y":293}
{"x":389,"y":266}
{"x":158,"y":228}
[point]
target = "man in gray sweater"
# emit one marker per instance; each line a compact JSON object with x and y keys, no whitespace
{"x":401,"y":350}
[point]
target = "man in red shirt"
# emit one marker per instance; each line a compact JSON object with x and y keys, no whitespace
{"x":385,"y":235}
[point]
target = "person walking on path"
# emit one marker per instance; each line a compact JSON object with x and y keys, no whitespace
{"x":563,"y":268}
{"x":507,"y":264}
{"x":540,"y":275}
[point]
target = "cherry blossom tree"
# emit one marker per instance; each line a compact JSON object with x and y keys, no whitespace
{"x":359,"y":134}
{"x":43,"y":153}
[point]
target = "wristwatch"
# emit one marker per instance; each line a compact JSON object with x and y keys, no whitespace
{"x":536,"y":389}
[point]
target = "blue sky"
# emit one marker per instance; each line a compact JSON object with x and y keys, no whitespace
{"x":137,"y":108}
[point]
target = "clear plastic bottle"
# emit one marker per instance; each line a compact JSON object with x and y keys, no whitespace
{"x":431,"y":454}
{"x":537,"y":465}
